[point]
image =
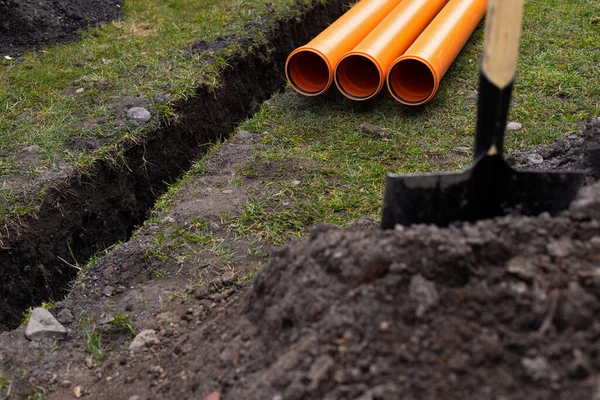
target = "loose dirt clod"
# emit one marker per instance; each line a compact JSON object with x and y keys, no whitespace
{"x":32,"y":24}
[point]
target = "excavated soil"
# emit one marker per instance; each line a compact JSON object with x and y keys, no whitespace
{"x":580,"y":151}
{"x":26,"y":24}
{"x":498,"y":309}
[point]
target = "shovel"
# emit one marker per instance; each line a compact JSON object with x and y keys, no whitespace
{"x":490,"y":187}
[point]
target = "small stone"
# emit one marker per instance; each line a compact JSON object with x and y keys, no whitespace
{"x":424,"y":293}
{"x":147,"y":336}
{"x":295,"y":182}
{"x":216,"y":395}
{"x":78,"y":391}
{"x":108,"y":272}
{"x":364,"y":222}
{"x":108,"y":291}
{"x":139,"y":115}
{"x":581,"y":367}
{"x":120,"y":289}
{"x":135,"y":397}
{"x":560,"y":248}
{"x":66,"y":384}
{"x":33,"y":149}
{"x":65,"y":316}
{"x":463,"y":149}
{"x":538,"y":368}
{"x":522,"y":267}
{"x":534,"y":159}
{"x":43,"y":325}
{"x":228,"y":278}
{"x":514,"y":126}
{"x":244,"y":136}
{"x":228,"y":191}
{"x":106,"y":319}
{"x":213,"y":226}
{"x":222,"y":296}
{"x":201,"y":292}
{"x":595,"y":242}
{"x":371,"y":129}
{"x":80,"y":90}
{"x":90,"y":363}
{"x":576,"y":308}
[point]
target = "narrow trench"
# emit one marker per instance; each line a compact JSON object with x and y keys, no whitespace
{"x":91,"y":212}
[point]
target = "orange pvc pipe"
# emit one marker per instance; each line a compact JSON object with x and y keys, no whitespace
{"x":362,"y":72}
{"x":414,"y":78}
{"x":309,"y":68}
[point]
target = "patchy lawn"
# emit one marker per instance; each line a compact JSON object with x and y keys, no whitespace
{"x":62,"y":107}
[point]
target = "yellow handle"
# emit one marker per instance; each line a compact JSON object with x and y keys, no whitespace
{"x":502,"y":34}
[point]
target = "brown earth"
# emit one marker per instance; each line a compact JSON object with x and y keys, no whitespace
{"x":26,"y":24}
{"x":499,"y":309}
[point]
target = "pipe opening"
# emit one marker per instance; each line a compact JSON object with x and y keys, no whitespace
{"x":308,"y":73}
{"x":411,"y":82}
{"x":358,"y":78}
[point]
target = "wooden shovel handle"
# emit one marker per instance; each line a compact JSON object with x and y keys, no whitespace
{"x":502,"y":35}
{"x":498,"y":67}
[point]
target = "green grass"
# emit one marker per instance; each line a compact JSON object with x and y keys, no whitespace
{"x":67,"y":93}
{"x":557,"y":87}
{"x":123,"y":322}
{"x":93,"y":345}
{"x":4,"y":382}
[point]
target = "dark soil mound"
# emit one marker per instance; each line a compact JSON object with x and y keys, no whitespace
{"x":34,"y":23}
{"x":499,"y":309}
{"x":502,"y":308}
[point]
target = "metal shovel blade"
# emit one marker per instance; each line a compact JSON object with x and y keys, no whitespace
{"x":488,"y":189}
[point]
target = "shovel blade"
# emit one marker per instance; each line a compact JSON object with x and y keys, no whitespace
{"x":488,"y":189}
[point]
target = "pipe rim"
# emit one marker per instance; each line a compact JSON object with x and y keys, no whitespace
{"x":374,"y":62}
{"x":431,"y":70}
{"x":294,"y":84}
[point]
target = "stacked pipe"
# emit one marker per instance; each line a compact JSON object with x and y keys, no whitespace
{"x":407,"y":45}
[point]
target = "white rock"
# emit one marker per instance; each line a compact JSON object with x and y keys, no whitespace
{"x":244,"y":136}
{"x":65,"y":316}
{"x":514,"y":126}
{"x":424,"y":293}
{"x":145,"y":336}
{"x":43,"y":325}
{"x":535,"y":159}
{"x":139,"y":115}
{"x":538,"y":368}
